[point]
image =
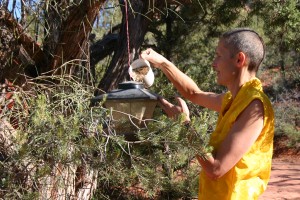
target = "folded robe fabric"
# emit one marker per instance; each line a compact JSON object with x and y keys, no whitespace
{"x":249,"y":177}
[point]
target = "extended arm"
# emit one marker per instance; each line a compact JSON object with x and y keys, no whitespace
{"x":184,"y":84}
{"x":241,"y":137}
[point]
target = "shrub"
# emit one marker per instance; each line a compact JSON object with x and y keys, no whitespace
{"x":62,"y":146}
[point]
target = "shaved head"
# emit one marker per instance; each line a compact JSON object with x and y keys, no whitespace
{"x":247,"y":41}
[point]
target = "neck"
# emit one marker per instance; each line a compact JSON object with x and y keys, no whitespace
{"x":241,"y":78}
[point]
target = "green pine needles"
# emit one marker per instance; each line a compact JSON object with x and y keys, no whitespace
{"x":62,"y":147}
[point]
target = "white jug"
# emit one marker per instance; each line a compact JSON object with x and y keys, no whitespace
{"x":141,"y":71}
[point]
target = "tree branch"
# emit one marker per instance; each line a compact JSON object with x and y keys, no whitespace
{"x":76,"y":28}
{"x":31,"y":47}
{"x":103,"y":48}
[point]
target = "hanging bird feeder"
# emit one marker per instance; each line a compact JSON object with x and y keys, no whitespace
{"x":131,"y":104}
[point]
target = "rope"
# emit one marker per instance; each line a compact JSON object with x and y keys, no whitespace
{"x":127,"y":33}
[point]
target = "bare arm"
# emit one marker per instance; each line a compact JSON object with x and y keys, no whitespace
{"x":241,"y":137}
{"x":184,"y":84}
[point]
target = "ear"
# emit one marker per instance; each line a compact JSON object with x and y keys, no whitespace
{"x":241,"y":59}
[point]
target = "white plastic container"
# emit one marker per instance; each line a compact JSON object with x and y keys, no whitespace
{"x":141,"y":71}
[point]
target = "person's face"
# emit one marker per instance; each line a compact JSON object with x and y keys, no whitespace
{"x":225,"y":65}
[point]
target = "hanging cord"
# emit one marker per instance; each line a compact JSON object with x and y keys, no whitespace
{"x":127,"y":32}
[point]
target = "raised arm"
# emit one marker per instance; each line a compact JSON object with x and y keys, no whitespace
{"x":184,"y":84}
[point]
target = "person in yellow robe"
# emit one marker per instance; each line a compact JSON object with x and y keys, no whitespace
{"x":240,"y":164}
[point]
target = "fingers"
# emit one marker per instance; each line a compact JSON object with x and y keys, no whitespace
{"x":167,"y":107}
{"x":184,"y":108}
{"x":146,"y":53}
{"x":153,"y":57}
{"x":181,"y":102}
{"x":172,"y":110}
{"x":164,"y":103}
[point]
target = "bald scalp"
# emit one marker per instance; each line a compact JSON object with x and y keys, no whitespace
{"x":247,"y":41}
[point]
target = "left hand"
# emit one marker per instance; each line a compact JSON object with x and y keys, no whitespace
{"x":172,"y":110}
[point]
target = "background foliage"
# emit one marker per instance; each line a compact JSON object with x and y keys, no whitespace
{"x":52,"y":125}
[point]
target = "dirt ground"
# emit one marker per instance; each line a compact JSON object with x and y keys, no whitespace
{"x":285,"y":175}
{"x":285,"y":180}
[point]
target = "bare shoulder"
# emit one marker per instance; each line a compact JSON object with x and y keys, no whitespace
{"x":256,"y":106}
{"x":253,"y":112}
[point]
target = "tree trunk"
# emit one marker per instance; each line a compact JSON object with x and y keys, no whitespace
{"x":72,"y":43}
{"x":68,"y":182}
{"x":137,"y":28}
{"x":140,"y":13}
{"x":65,"y":47}
{"x":102,"y":48}
{"x":70,"y":49}
{"x":68,"y":46}
{"x":19,"y":53}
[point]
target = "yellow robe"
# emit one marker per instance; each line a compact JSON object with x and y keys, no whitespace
{"x":249,"y":177}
